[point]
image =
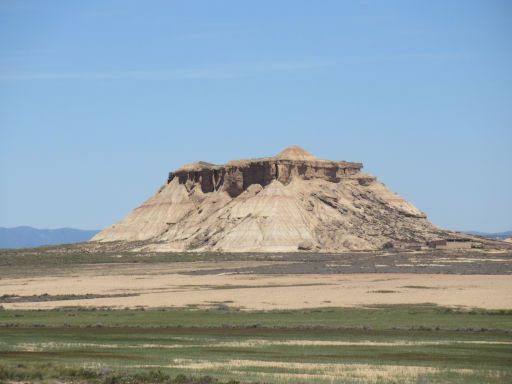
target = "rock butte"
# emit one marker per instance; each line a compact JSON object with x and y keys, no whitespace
{"x":292,"y":201}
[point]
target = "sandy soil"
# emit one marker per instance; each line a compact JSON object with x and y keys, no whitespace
{"x":158,"y":285}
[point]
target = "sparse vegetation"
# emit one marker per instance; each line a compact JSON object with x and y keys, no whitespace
{"x":48,"y":371}
{"x":419,"y":287}
{"x":44,"y":260}
{"x":47,"y":297}
{"x":221,"y":315}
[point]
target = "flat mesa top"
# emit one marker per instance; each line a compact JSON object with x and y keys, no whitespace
{"x":293,"y":153}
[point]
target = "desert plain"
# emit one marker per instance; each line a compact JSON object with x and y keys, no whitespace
{"x":79,"y":315}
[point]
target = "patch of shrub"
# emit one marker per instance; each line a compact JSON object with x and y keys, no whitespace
{"x":43,"y":372}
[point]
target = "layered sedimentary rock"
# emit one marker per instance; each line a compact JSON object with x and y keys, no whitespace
{"x":292,"y":201}
{"x":236,"y":176}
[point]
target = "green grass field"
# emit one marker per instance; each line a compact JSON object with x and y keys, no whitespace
{"x":417,"y":344}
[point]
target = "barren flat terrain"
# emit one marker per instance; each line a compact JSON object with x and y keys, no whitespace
{"x":154,"y":286}
{"x":290,"y":281}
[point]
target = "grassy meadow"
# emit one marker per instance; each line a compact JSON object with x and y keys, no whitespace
{"x":388,"y":344}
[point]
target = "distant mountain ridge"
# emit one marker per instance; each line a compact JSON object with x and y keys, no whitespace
{"x":492,"y":235}
{"x":27,"y":237}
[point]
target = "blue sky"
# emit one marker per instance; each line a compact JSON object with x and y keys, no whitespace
{"x":99,"y":100}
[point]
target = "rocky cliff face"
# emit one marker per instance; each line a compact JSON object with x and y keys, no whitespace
{"x":236,"y":177}
{"x":292,"y":201}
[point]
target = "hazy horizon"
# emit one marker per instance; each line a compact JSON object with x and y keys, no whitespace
{"x":100,"y":100}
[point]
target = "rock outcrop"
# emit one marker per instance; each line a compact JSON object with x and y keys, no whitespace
{"x":292,"y":201}
{"x":236,"y":176}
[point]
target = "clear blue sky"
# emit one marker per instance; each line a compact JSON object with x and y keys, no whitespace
{"x":100,"y":99}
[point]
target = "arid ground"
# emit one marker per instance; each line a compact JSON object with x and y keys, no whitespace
{"x":348,"y":318}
